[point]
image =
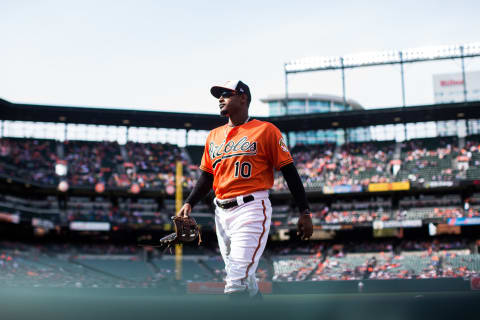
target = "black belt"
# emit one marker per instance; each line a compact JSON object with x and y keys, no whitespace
{"x":233,"y":203}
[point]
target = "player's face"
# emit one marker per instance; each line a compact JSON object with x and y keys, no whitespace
{"x":229,"y":103}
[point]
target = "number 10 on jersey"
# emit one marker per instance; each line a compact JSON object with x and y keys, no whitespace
{"x":244,"y":169}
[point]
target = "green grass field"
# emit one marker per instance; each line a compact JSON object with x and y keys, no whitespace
{"x":136,"y":304}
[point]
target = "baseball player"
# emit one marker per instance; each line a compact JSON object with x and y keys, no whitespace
{"x":238,"y":163}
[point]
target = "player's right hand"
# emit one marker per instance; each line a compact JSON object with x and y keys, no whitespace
{"x":185,"y":210}
{"x":305,"y":226}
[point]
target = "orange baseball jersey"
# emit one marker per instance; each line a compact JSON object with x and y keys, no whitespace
{"x":242,"y":158}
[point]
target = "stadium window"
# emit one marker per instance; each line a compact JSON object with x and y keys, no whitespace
{"x":296,"y":107}
{"x":340,"y":136}
{"x":105,"y":133}
{"x":315,"y":106}
{"x":360,"y":134}
{"x":338,"y":107}
{"x":90,"y":132}
{"x":151,"y":135}
{"x":191,"y":137}
{"x":431,"y":129}
{"x":12,"y":129}
{"x":399,"y":132}
{"x":420,"y":130}
{"x":474,"y":126}
{"x":292,"y":138}
{"x":154,"y":135}
{"x":330,"y":136}
{"x":461,"y":128}
{"x":389,"y":132}
{"x":171,"y":136}
{"x":451,"y":127}
{"x":377,"y":132}
{"x":441,"y":128}
{"x":79,"y":132}
{"x":201,"y":137}
{"x":132,"y":134}
{"x":411,"y":133}
{"x":142,"y":135}
{"x":122,"y":135}
{"x":310,"y":137}
{"x":275,"y":108}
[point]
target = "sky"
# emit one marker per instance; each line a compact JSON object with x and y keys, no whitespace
{"x":165,"y":55}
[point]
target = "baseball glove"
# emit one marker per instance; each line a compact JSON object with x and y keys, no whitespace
{"x":186,"y":230}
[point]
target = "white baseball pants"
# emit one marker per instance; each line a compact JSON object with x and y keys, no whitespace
{"x":242,"y":234}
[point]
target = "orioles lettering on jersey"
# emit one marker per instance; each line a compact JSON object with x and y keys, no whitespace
{"x":231,"y":149}
{"x":242,"y":158}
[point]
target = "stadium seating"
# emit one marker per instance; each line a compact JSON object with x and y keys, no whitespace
{"x":88,"y":163}
{"x":378,"y":266}
{"x":425,"y":162}
{"x":428,"y":160}
{"x":100,"y":266}
{"x":30,"y":159}
{"x":430,"y":207}
{"x":472,"y":151}
{"x":91,"y":162}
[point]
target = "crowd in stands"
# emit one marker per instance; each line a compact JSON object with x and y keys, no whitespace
{"x":434,"y":207}
{"x":327,"y":166}
{"x":472,"y":154}
{"x":430,"y":160}
{"x":89,"y":163}
{"x":124,"y":211}
{"x":380,"y":209}
{"x":153,"y":212}
{"x":353,"y":212}
{"x":311,"y":162}
{"x":351,"y":164}
{"x":362,"y":164}
{"x":28,"y":158}
{"x":427,"y":162}
{"x":409,"y":260}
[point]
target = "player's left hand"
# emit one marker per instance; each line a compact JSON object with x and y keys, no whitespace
{"x":305,"y":226}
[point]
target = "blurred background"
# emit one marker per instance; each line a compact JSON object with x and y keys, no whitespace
{"x":105,"y":108}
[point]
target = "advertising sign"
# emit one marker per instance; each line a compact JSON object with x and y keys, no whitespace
{"x":448,"y":87}
{"x":378,"y":224}
{"x":89,"y":226}
{"x":392,"y":186}
{"x":463,"y":221}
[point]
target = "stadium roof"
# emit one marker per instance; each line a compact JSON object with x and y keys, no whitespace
{"x":114,"y":117}
{"x":196,"y":121}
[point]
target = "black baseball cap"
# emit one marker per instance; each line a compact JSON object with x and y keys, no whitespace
{"x":235,"y":86}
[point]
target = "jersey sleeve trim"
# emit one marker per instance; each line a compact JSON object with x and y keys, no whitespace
{"x":285,"y":162}
{"x":206,"y":169}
